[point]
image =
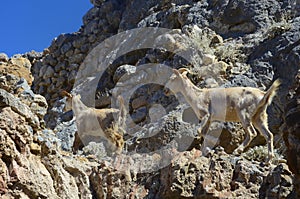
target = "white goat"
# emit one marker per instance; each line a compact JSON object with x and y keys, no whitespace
{"x":238,"y":104}
{"x":98,"y":122}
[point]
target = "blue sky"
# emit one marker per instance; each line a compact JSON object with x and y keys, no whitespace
{"x":32,"y":24}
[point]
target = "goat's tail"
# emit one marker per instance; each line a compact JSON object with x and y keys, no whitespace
{"x":122,"y":113}
{"x":267,"y":99}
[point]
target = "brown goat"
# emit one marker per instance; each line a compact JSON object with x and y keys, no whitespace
{"x":238,"y":104}
{"x":98,"y":122}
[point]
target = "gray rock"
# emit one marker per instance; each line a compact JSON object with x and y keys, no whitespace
{"x":65,"y":132}
{"x":42,"y":70}
{"x":49,"y":59}
{"x":244,"y":17}
{"x":49,"y":72}
{"x":122,"y":70}
{"x":61,"y":40}
{"x":48,"y":143}
{"x":96,"y":149}
{"x":76,"y":59}
{"x":139,"y":115}
{"x":65,"y":48}
{"x":39,"y":106}
{"x":3,"y":57}
{"x":97,"y":2}
{"x":278,"y":183}
{"x":91,"y":27}
{"x":33,"y":56}
{"x":90,"y":15}
{"x":241,"y":80}
{"x":7,"y":99}
{"x":22,"y":83}
{"x":291,"y":132}
{"x":278,"y":54}
{"x":79,"y":42}
{"x":9,"y":82}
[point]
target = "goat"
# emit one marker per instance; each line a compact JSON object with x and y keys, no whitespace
{"x":98,"y":122}
{"x":243,"y":104}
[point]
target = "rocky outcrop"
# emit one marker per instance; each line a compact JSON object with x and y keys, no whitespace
{"x":229,"y":43}
{"x":253,"y":34}
{"x":31,"y":165}
{"x":34,"y":166}
{"x":18,"y":66}
{"x":291,"y":132}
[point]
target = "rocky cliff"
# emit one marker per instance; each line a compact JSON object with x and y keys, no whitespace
{"x":118,"y":52}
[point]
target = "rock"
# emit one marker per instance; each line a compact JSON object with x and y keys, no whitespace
{"x":49,"y":72}
{"x":122,"y":70}
{"x":216,"y":40}
{"x":3,"y":57}
{"x":291,"y":133}
{"x":97,"y":2}
{"x":139,"y":102}
{"x":208,"y":59}
{"x":233,"y":43}
{"x":39,"y":106}
{"x":95,"y":149}
{"x":19,"y":67}
{"x":8,"y":82}
{"x":170,"y":41}
{"x":196,"y":176}
{"x":33,"y":56}
{"x":65,"y":132}
{"x":35,"y":148}
{"x":21,"y":62}
{"x":65,"y":48}
{"x":90,"y":15}
{"x":103,"y":100}
{"x":78,"y":58}
{"x":278,"y":183}
{"x":7,"y":99}
{"x":216,"y":70}
{"x":245,"y":17}
{"x":139,"y":115}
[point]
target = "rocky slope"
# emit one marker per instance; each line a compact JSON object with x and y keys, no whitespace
{"x":227,"y":43}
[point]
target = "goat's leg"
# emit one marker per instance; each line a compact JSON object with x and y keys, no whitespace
{"x":209,"y":143}
{"x":262,"y":127}
{"x":202,"y":131}
{"x":204,"y":125}
{"x":250,"y":133}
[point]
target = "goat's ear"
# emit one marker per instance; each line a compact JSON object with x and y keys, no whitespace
{"x":65,"y":94}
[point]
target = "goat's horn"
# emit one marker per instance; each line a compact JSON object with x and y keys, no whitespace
{"x":65,"y":94}
{"x":183,"y":71}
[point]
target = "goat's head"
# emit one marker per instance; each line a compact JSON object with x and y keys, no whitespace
{"x":69,"y":98}
{"x":175,"y":81}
